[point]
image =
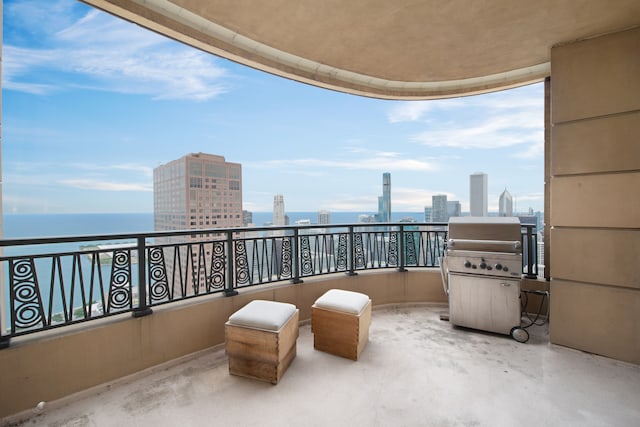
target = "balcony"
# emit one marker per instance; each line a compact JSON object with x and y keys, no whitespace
{"x":98,"y":316}
{"x":108,"y":328}
{"x":592,"y":162}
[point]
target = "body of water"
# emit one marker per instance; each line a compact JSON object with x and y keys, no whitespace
{"x":56,"y":225}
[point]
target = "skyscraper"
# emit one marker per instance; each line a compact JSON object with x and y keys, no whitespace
{"x":324,"y":217}
{"x":197,"y":191}
{"x":506,"y":204}
{"x":247,"y":218}
{"x":478,"y":194}
{"x":454,"y":208}
{"x":439,"y":208}
{"x":384,"y":201}
{"x":428,"y":213}
{"x":278,"y":210}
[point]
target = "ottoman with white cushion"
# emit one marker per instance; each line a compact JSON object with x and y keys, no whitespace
{"x":260,"y":340}
{"x":340,"y":323}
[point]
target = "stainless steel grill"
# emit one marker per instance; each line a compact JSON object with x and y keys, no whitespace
{"x":482,"y":270}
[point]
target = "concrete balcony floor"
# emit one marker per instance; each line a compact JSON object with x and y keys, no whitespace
{"x":415,"y":371}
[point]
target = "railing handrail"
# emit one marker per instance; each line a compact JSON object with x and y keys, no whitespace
{"x":23,"y":241}
{"x":221,"y":260}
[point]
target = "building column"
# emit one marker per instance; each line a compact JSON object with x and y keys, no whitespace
{"x":547,"y":177}
{"x":594,"y":195}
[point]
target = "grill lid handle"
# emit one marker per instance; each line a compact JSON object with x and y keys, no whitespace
{"x":510,"y":244}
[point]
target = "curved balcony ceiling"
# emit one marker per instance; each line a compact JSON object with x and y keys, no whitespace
{"x":400,"y":49}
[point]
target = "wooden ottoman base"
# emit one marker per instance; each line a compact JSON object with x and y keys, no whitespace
{"x":338,"y":333}
{"x":261,"y":354}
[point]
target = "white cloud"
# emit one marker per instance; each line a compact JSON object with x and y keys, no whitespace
{"x":535,"y":150}
{"x":413,"y":111}
{"x":129,"y":167}
{"x":377,"y":163}
{"x":116,"y":177}
{"x":408,"y":111}
{"x":89,"y":184}
{"x":356,"y":158}
{"x":492,"y":132}
{"x":497,"y":120}
{"x":101,"y":52}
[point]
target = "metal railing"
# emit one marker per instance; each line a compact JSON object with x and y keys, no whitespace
{"x":55,"y":282}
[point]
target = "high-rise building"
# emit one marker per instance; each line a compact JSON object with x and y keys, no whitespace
{"x":439,"y":208}
{"x":324,"y":217}
{"x":247,"y":218}
{"x":278,"y":211}
{"x":428,"y":212}
{"x":384,"y":201}
{"x":197,"y":191}
{"x":454,"y":208}
{"x":478,"y":194}
{"x":505,"y":207}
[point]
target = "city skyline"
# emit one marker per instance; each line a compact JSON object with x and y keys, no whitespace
{"x":86,"y":119}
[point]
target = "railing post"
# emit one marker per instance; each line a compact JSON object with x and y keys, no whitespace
{"x":231,"y":272}
{"x":4,"y":340}
{"x":143,"y":308}
{"x":402,"y":250}
{"x":352,"y":254}
{"x":532,"y":255}
{"x":295,"y":254}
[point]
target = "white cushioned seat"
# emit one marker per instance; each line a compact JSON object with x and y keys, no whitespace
{"x":262,"y":314}
{"x":341,"y":300}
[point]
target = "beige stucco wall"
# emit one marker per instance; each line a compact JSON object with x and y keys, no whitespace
{"x":594,"y":192}
{"x":58,"y":363}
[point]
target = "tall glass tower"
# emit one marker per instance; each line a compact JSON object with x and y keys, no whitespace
{"x":479,"y":194}
{"x":506,"y":204}
{"x":439,"y":205}
{"x":324,"y":217}
{"x":278,"y":210}
{"x":384,"y":201}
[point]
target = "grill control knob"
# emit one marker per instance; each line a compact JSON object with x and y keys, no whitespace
{"x":483,"y":265}
{"x":467,"y":264}
{"x":505,"y":268}
{"x":498,"y":266}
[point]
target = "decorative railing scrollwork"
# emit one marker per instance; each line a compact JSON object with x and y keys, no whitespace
{"x":26,"y":302}
{"x":120,"y":283}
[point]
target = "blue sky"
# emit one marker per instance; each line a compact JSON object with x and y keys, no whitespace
{"x":91,"y":104}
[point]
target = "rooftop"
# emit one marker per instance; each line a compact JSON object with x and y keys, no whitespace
{"x":415,"y":370}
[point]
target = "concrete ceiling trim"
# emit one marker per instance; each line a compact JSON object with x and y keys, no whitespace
{"x":176,"y":22}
